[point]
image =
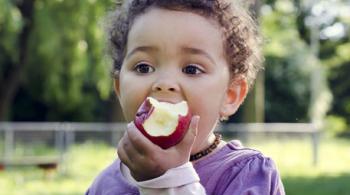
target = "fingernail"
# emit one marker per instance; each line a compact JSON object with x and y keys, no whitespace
{"x":129,"y":125}
{"x":196,"y":118}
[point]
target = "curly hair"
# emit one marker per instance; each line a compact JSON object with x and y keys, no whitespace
{"x":241,"y":36}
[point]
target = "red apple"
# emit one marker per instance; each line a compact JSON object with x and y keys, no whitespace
{"x":165,"y":124}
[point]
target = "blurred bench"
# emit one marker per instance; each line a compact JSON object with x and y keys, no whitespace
{"x":43,"y":162}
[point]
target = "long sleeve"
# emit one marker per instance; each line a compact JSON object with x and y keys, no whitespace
{"x":180,"y":180}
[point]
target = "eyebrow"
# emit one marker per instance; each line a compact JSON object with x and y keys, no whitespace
{"x":184,"y":49}
{"x":197,"y":51}
{"x":141,"y":49}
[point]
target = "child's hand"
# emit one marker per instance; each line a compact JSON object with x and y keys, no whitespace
{"x":147,"y":160}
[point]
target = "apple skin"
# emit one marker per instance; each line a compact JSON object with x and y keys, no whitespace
{"x":165,"y":142}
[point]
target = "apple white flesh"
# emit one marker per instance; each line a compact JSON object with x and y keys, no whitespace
{"x":165,"y":124}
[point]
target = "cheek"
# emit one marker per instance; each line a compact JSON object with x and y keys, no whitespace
{"x":208,"y":100}
{"x":209,"y":97}
{"x":132,"y":94}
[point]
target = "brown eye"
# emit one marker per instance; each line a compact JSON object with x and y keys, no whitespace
{"x":192,"y":69}
{"x":143,"y":68}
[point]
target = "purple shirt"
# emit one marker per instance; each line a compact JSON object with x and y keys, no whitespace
{"x":231,"y":170}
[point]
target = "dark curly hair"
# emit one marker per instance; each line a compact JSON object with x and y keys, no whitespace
{"x":241,"y":37}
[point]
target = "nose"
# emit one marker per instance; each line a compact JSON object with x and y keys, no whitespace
{"x":165,"y":85}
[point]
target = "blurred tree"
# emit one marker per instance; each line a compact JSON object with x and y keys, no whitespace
{"x":53,"y":65}
{"x":253,"y":108}
{"x":331,"y":21}
{"x":16,"y":22}
{"x":288,"y":64}
{"x":52,"y":55}
{"x":303,"y":36}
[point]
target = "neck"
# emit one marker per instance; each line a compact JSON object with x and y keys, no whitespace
{"x":205,"y":144}
{"x":214,"y":146}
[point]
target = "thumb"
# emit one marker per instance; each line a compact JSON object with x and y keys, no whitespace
{"x":187,"y":142}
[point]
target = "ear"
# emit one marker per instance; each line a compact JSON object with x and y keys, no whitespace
{"x":235,"y":95}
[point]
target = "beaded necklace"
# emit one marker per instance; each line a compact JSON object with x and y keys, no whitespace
{"x":207,"y":150}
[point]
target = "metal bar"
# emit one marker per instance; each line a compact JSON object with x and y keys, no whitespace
{"x":315,"y":141}
{"x":9,"y":143}
{"x":65,"y":132}
{"x":93,"y":127}
{"x":56,"y":126}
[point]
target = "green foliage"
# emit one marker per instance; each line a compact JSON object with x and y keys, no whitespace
{"x":335,"y":56}
{"x":10,"y":25}
{"x":288,"y":66}
{"x":66,"y":61}
{"x":335,"y":125}
{"x":339,"y":68}
{"x":290,"y":62}
{"x":66,"y":71}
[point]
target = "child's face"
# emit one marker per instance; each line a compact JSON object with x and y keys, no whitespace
{"x":174,"y":56}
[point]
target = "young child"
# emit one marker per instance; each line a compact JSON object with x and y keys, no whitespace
{"x":205,"y":52}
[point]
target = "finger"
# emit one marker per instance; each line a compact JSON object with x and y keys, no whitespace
{"x":122,"y":155}
{"x":139,"y":141}
{"x":130,"y":150}
{"x":186,"y":144}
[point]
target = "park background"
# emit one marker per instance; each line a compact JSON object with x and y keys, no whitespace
{"x":54,"y":67}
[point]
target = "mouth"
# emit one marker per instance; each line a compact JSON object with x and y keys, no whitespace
{"x":146,"y":108}
{"x":167,"y":100}
{"x":162,"y":122}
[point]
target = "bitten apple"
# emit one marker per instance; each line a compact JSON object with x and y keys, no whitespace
{"x":165,"y":124}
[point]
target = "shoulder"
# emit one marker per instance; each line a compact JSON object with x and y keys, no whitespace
{"x":110,"y":181}
{"x":254,"y":174}
{"x":236,"y":170}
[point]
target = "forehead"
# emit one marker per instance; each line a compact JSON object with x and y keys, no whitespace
{"x":171,"y":28}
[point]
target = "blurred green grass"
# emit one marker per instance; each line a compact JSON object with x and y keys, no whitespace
{"x":300,"y":176}
{"x":81,"y":165}
{"x":293,"y":157}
